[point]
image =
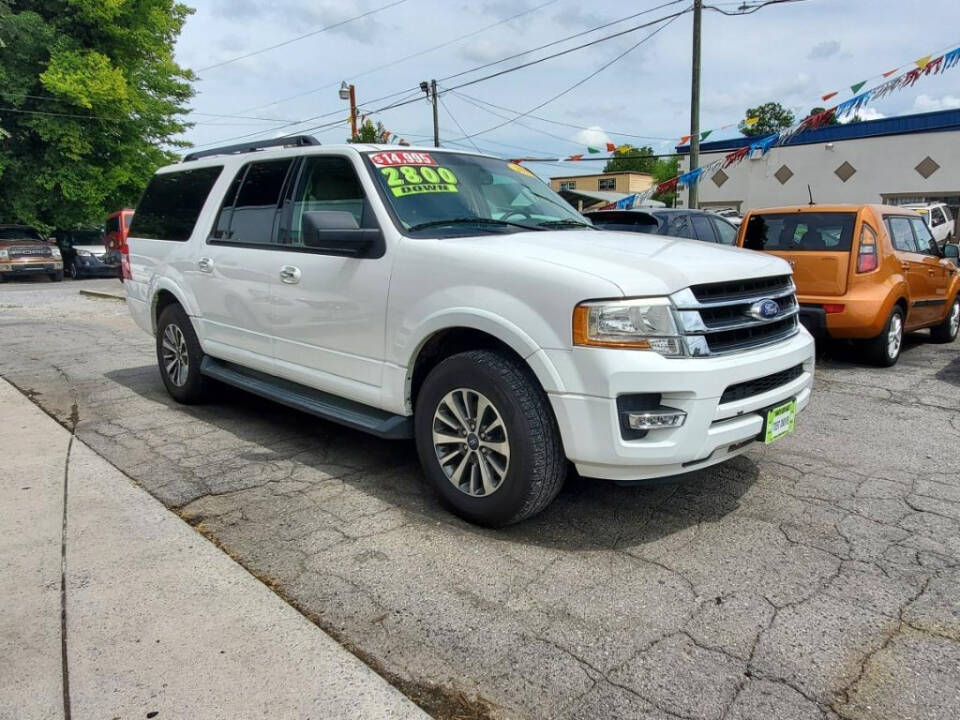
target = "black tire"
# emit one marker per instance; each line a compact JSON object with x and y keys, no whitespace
{"x":537,"y":465}
{"x":946,"y":332}
{"x":57,"y":276}
{"x":878,"y":350}
{"x":190,"y":387}
{"x":72,"y":271}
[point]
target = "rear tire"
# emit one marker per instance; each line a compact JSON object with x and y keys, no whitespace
{"x":57,"y":276}
{"x":884,"y":350}
{"x":503,"y":461}
{"x":72,"y":271}
{"x":946,"y":332}
{"x":179,"y":356}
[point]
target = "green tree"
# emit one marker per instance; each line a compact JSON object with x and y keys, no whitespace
{"x":370,"y":133}
{"x":666,"y":169}
{"x":631,"y":159}
{"x":772,"y":117}
{"x":97,"y":99}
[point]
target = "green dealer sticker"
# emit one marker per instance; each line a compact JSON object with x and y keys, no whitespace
{"x":409,"y":180}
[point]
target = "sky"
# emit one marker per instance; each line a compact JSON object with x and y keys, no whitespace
{"x":790,"y":53}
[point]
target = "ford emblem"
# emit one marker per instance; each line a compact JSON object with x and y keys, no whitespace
{"x":764,"y":309}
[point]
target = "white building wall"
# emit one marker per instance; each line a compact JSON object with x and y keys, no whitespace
{"x":885,"y":171}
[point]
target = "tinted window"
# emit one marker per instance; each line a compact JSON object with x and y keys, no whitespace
{"x":936,"y":217}
{"x":798,"y":232}
{"x":113,"y":224}
{"x":901,"y":235}
{"x":925,"y":240}
{"x":702,"y":228}
{"x":258,"y":201}
{"x":624,"y":220}
{"x":20,"y":234}
{"x":221,"y":228}
{"x":328,"y":184}
{"x":606,"y":184}
{"x":725,"y":231}
{"x":171,"y":204}
{"x":677,"y":225}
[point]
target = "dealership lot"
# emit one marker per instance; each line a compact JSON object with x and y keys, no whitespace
{"x":816,"y":577}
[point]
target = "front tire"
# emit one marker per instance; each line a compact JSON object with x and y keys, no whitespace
{"x":72,"y":271}
{"x":884,"y":350}
{"x":487,"y":438}
{"x":57,"y":276}
{"x":179,"y":356}
{"x":946,"y":332}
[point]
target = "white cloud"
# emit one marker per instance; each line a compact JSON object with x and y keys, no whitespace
{"x":824,"y":50}
{"x":925,"y":103}
{"x":593,"y":137}
{"x":868,"y":113}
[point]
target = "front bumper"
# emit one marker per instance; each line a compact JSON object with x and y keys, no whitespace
{"x":96,"y":266}
{"x":713,"y":431}
{"x":34,"y":266}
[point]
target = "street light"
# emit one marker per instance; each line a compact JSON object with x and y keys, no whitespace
{"x":344,"y":91}
{"x":348,"y":92}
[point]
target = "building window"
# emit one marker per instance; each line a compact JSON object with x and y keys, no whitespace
{"x":568,"y":185}
{"x":607,"y":184}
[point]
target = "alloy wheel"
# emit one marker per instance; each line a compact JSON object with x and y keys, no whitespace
{"x":894,"y":335}
{"x":955,"y":318}
{"x":471,"y":442}
{"x":176,"y":358}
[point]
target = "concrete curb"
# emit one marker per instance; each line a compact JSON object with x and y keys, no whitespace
{"x":158,"y":620}
{"x":102,"y":295}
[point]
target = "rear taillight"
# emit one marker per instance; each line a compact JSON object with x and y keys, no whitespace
{"x":125,"y":261}
{"x":867,"y":257}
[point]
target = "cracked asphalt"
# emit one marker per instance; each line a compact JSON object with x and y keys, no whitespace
{"x":816,"y":578}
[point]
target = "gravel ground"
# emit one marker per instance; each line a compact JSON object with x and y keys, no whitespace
{"x":814,"y":578}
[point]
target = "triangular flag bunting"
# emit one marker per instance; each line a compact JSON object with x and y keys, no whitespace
{"x":922,"y":62}
{"x":611,"y":147}
{"x":623,"y":148}
{"x":685,"y":139}
{"x":829,"y":95}
{"x":592,"y":151}
{"x":855,"y":88}
{"x":575,"y":157}
{"x":750,"y":122}
{"x":888,"y":73}
{"x":705,"y":134}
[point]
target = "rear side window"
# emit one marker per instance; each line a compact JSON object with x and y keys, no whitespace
{"x":172,"y":203}
{"x":798,"y":232}
{"x":925,"y":240}
{"x":725,"y":231}
{"x":936,"y":217}
{"x":901,"y":235}
{"x":677,"y":225}
{"x":113,"y":224}
{"x":252,"y":218}
{"x":703,"y":228}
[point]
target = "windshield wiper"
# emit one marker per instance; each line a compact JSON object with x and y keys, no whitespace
{"x":471,"y":221}
{"x":569,"y":222}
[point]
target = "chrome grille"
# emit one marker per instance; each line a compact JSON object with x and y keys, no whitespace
{"x":27,"y":251}
{"x":715,"y":318}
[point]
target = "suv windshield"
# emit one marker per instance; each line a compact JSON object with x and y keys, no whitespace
{"x":793,"y":232}
{"x":20,"y":234}
{"x":83,"y":237}
{"x":448,"y":193}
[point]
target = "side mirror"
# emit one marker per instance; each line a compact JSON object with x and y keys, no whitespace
{"x":335,"y":232}
{"x":951,"y":251}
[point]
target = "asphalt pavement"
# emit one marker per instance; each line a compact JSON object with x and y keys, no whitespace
{"x":814,"y":578}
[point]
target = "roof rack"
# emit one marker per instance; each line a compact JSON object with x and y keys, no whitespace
{"x":288,"y":141}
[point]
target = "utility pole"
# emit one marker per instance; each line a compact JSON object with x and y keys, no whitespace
{"x":430,"y":90}
{"x":695,"y":102}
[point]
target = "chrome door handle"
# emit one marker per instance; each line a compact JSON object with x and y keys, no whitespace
{"x":290,"y":274}
{"x":205,"y":264}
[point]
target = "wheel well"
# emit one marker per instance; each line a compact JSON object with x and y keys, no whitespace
{"x":445,"y":343}
{"x":902,"y":302}
{"x":160,"y":302}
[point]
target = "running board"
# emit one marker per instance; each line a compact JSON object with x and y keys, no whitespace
{"x":314,"y":402}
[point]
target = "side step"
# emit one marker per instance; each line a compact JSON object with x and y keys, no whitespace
{"x":315,"y":402}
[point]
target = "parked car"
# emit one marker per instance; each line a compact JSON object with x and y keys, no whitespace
{"x":84,"y":254}
{"x":25,"y":251}
{"x":676,"y":222}
{"x":865,"y":272}
{"x":728,"y":213}
{"x":455,"y":299}
{"x":117,"y":229}
{"x":939,"y":219}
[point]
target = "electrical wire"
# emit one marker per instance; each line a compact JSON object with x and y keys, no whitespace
{"x":457,"y":123}
{"x":405,"y":58}
{"x":301,"y":37}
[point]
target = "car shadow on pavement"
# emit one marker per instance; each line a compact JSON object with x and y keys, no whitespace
{"x":845,"y":353}
{"x":588,"y":514}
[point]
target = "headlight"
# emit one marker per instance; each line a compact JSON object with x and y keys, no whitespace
{"x":642,"y":324}
{"x":84,"y":253}
{"x":55,"y":252}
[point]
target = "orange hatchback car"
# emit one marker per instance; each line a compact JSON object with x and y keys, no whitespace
{"x":864,"y":272}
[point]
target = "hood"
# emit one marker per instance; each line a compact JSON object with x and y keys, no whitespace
{"x":638,"y":263}
{"x":27,"y":242}
{"x":95,"y":249}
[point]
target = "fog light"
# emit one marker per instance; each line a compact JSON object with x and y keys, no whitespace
{"x":658,"y":419}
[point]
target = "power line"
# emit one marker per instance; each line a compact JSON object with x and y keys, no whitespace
{"x":457,"y":123}
{"x":664,"y":23}
{"x":405,"y":58}
{"x":301,"y":37}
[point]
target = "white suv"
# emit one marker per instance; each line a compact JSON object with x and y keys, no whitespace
{"x":938,"y":218}
{"x":454,"y":298}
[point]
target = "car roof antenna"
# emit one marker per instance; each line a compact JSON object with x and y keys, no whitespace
{"x":810,"y":193}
